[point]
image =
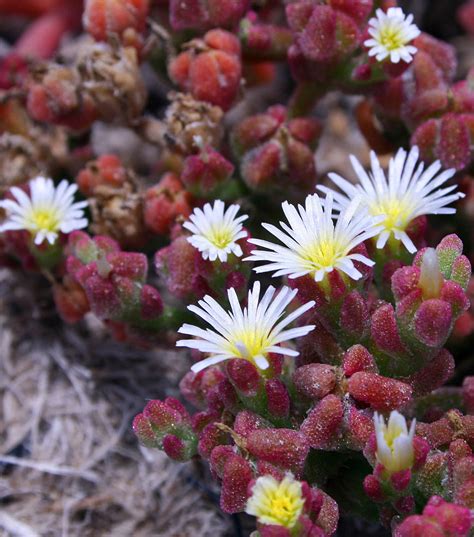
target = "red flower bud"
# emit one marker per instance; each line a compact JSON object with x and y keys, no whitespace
{"x":416,"y":525}
{"x":165,"y":203}
{"x":219,"y":456}
{"x":246,"y":422}
{"x":102,"y":296}
{"x":212,"y":70}
{"x":314,"y":381}
{"x":107,"y":170}
{"x":282,"y":447}
{"x":71,"y":300}
{"x":381,"y":393}
{"x":144,"y":431}
{"x":373,"y":489}
{"x":105,"y":17}
{"x":175,"y":448}
{"x":361,"y":426}
{"x":318,"y":39}
{"x":454,"y":519}
{"x":401,"y":480}
{"x":150,"y":302}
{"x":200,"y":15}
{"x":454,"y":148}
{"x":405,"y":281}
{"x":210,"y":437}
{"x":323,"y":422}
{"x":357,"y":9}
{"x":358,"y":358}
{"x":236,"y":477}
{"x":204,"y":173}
{"x":468,"y":394}
{"x":435,"y":374}
{"x":278,"y":399}
{"x":385,"y":331}
{"x":355,"y":318}
{"x":244,"y":375}
{"x":433,"y":322}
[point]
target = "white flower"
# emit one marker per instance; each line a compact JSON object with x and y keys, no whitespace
{"x":250,"y":333}
{"x":312,"y":243}
{"x":394,"y":442}
{"x":401,"y":197}
{"x":278,"y":503}
{"x":391,"y":34}
{"x":46,"y":211}
{"x":215,"y":232}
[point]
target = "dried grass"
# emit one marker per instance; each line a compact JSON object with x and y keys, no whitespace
{"x":71,"y":466}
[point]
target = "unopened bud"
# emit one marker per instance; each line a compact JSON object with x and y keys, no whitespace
{"x":431,"y":279}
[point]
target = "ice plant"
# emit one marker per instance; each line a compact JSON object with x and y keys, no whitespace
{"x":391,"y":35}
{"x":46,"y":211}
{"x":216,"y":231}
{"x":394,"y":442}
{"x":274,"y":502}
{"x":313,"y":243}
{"x":250,"y":333}
{"x":406,"y":192}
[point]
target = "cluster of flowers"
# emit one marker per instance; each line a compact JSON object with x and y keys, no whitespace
{"x":324,"y":392}
{"x":268,"y":419}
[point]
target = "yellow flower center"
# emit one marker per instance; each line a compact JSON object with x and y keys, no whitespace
{"x":45,"y":219}
{"x":322,"y":254}
{"x":397,"y":213}
{"x":392,"y":38}
{"x":220,"y":238}
{"x":391,"y":434}
{"x":248,"y":344}
{"x":281,"y":504}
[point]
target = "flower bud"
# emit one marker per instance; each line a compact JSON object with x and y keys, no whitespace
{"x":210,"y":69}
{"x":237,"y":475}
{"x":358,"y":358}
{"x":357,"y":9}
{"x":210,"y":437}
{"x":395,"y":447}
{"x":435,"y":374}
{"x":276,"y":153}
{"x":433,"y":322}
{"x":198,"y":15}
{"x":430,"y":280}
{"x":381,"y":393}
{"x":454,"y":147}
{"x":264,"y":41}
{"x":166,"y":425}
{"x":468,"y":394}
{"x":322,"y":423}
{"x":385,"y":331}
{"x":355,"y":318}
{"x":283,"y":447}
{"x":245,"y":376}
{"x":120,"y":17}
{"x":203,"y":174}
{"x":219,"y":456}
{"x":71,"y":300}
{"x":278,"y":399}
{"x":165,"y":203}
{"x":106,"y":170}
{"x":181,"y":267}
{"x":314,"y":381}
{"x":373,"y":489}
{"x":439,"y":519}
{"x":246,"y":422}
{"x":56,"y":98}
{"x":150,"y":302}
